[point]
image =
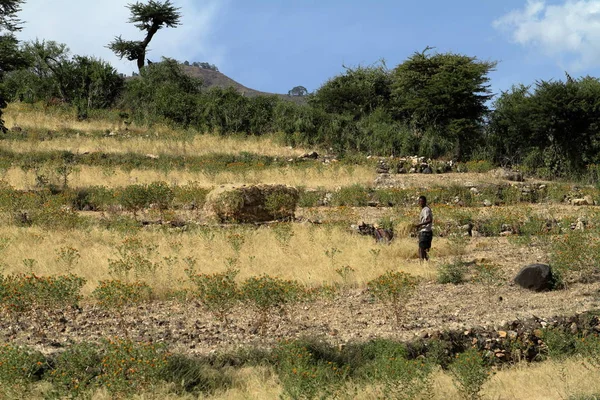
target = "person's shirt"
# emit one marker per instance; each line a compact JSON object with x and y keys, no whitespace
{"x":425,"y":215}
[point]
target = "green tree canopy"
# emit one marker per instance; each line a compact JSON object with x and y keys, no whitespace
{"x":10,"y":56}
{"x":148,"y":17}
{"x":445,"y":94}
{"x":357,"y":92}
{"x":555,"y":126}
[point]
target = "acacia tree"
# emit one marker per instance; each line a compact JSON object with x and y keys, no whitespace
{"x":148,"y":17}
{"x":10,"y":56}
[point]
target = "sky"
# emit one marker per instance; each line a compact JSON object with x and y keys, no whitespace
{"x":275,"y":45}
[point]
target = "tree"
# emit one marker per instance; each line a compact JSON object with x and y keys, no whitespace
{"x":357,"y":93}
{"x":10,"y":56}
{"x":298,"y":91}
{"x":163,"y":91}
{"x":554,"y":126}
{"x":444,"y":94}
{"x":148,"y":17}
{"x":8,"y":11}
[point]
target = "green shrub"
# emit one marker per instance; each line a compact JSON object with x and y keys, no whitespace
{"x":453,"y":272}
{"x":133,"y":198}
{"x":160,"y":195}
{"x":128,"y":367}
{"x":354,"y":196}
{"x":19,"y":368}
{"x":217,"y":292}
{"x":265,"y":293}
{"x":304,"y":376}
{"x":21,"y":292}
{"x":114,"y":294}
{"x":470,"y":372}
{"x":395,"y":289}
{"x":75,"y":371}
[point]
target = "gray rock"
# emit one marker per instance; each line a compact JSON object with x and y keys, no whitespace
{"x":536,"y":277}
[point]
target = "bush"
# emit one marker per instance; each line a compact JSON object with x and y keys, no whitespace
{"x":303,"y":376}
{"x":128,"y":367}
{"x":395,"y":289}
{"x":452,"y":273}
{"x":114,"y":294}
{"x":217,"y":292}
{"x":354,"y":196}
{"x":19,"y":368}
{"x":20,"y":292}
{"x":470,"y":372}
{"x":75,"y":370}
{"x":266,"y":293}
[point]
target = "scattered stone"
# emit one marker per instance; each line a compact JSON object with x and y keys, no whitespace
{"x":487,"y":203}
{"x":152,"y":156}
{"x":508,"y":174}
{"x":536,"y":277}
{"x":313,"y":155}
{"x":580,"y":202}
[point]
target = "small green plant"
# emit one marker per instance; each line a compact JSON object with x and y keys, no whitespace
{"x":589,"y":347}
{"x":395,"y":289}
{"x":305,"y":376}
{"x":345,"y":272}
{"x":68,"y":257}
{"x":115,"y":294}
{"x":470,"y":372}
{"x":75,"y":371}
{"x":331,"y":253}
{"x":19,"y":368}
{"x":267,"y":293}
{"x":284,"y":232}
{"x":129,"y":367}
{"x":217,"y":292}
{"x":236,"y":241}
{"x":490,"y":275}
{"x":134,"y":255}
{"x":452,"y":273}
{"x":20,"y":292}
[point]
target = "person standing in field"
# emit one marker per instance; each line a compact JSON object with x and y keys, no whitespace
{"x":425,"y":228}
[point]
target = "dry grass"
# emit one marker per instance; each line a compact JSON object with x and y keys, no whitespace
{"x":543,"y":381}
{"x":327,"y":177}
{"x":305,"y":258}
{"x":197,"y":146}
{"x":156,"y":140}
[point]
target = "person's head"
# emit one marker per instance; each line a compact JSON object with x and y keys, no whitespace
{"x":422,"y":201}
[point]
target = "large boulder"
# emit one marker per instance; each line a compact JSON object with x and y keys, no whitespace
{"x":536,"y":277}
{"x":258,"y":203}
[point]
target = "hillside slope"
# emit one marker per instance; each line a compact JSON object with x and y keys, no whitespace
{"x":217,"y":79}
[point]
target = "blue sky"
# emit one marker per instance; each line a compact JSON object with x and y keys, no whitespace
{"x":274,"y":45}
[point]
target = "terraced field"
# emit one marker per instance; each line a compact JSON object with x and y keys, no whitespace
{"x":110,"y":203}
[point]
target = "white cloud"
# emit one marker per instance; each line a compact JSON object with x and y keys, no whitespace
{"x":568,"y":32}
{"x":88,"y":26}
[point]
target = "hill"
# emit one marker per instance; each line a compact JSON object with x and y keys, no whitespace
{"x":217,"y":79}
